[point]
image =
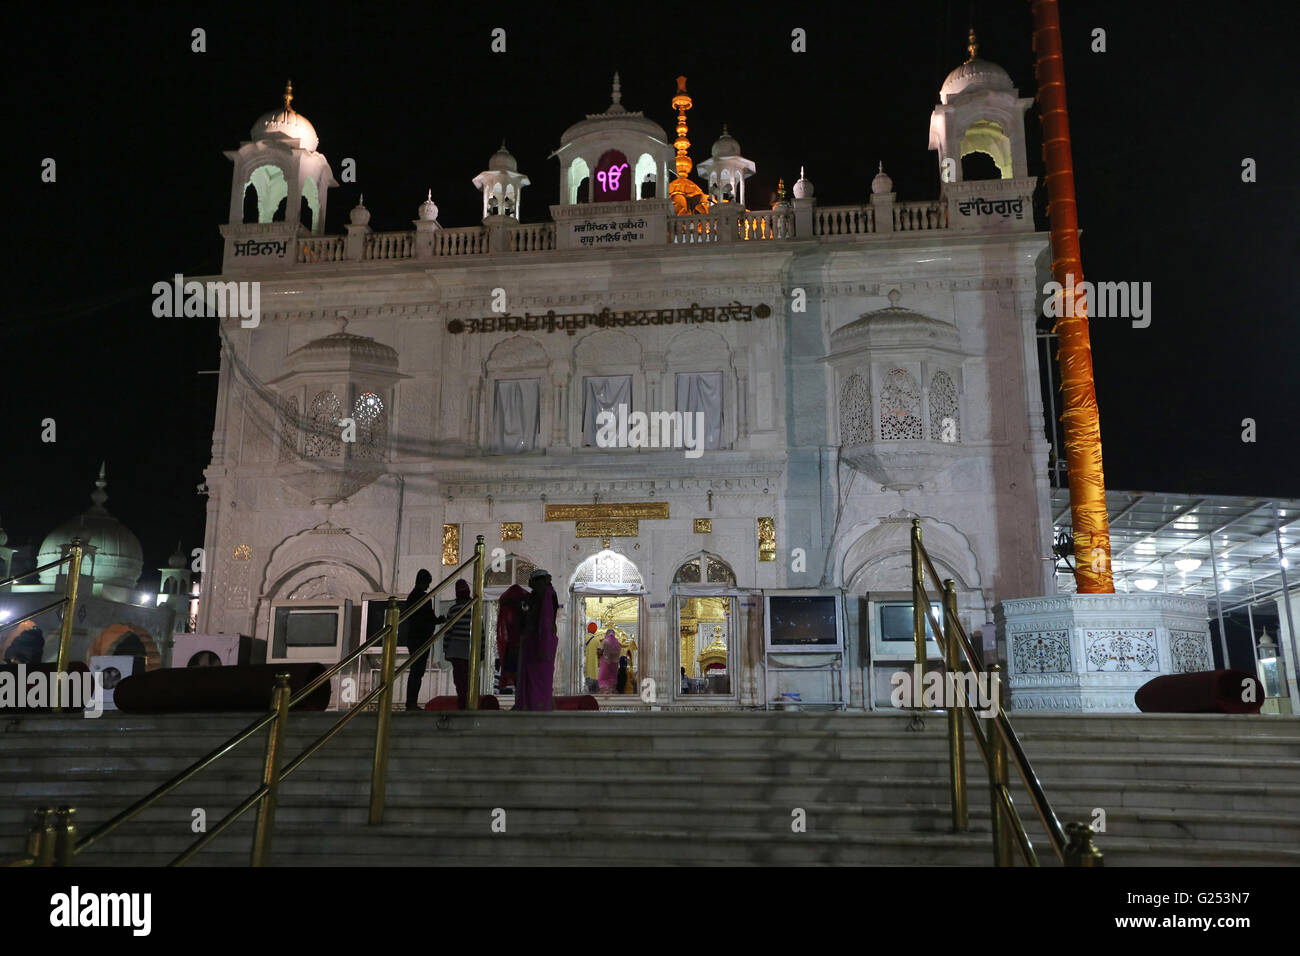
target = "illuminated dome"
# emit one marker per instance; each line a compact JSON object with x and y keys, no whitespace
{"x":726,"y":144}
{"x":286,"y":123}
{"x":502,"y":161}
{"x":616,"y":118}
{"x":118,"y":557}
{"x":803,"y":187}
{"x":976,"y":74}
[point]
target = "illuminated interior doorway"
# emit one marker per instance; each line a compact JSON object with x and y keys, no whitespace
{"x":607,"y":593}
{"x":704,"y":595}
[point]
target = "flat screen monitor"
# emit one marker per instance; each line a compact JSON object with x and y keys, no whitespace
{"x":891,"y":630}
{"x":804,"y":621}
{"x":306,"y":632}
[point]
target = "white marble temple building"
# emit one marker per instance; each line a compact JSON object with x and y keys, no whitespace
{"x":852,"y":366}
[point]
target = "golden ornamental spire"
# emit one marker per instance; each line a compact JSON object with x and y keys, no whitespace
{"x":972,"y":46}
{"x":288,"y":96}
{"x":688,"y":198}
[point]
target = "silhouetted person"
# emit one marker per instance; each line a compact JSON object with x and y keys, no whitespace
{"x":456,"y":643}
{"x":415,"y":631}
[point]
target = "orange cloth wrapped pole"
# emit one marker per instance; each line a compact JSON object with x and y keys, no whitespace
{"x":1092,"y":572}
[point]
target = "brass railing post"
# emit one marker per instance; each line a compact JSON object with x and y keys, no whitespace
{"x":998,"y":784}
{"x":956,"y":743}
{"x":271,"y":771}
{"x":1081,"y":851}
{"x":40,"y":838}
{"x":65,"y":836}
{"x":919,"y":607}
{"x":69,"y":616}
{"x":379,"y":769}
{"x":476,"y":627}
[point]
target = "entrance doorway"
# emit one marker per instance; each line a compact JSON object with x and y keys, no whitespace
{"x":704,"y":590}
{"x":606,"y":594}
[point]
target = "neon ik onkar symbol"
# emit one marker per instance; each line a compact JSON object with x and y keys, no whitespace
{"x":609,"y":179}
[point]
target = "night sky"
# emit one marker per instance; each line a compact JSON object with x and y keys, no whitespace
{"x":137,"y":124}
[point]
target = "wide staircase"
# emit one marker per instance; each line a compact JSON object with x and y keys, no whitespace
{"x":664,"y":788}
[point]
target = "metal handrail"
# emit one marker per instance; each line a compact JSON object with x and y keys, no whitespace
{"x":28,"y":615}
{"x":265,"y":796}
{"x":27,"y":574}
{"x":1072,"y":844}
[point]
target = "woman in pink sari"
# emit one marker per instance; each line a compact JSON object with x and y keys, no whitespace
{"x":607,"y":671}
{"x":538,"y":647}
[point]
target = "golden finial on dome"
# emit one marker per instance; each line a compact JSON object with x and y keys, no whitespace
{"x":288,"y":95}
{"x":972,"y":46}
{"x":780,"y":190}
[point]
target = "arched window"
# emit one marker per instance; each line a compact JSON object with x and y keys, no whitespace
{"x":855,"y":411}
{"x":989,"y":150}
{"x":609,"y":570}
{"x":579,"y":181}
{"x":272,"y":189}
{"x":977,"y":165}
{"x":945,"y":421}
{"x":900,"y":407}
{"x":645,"y":175}
{"x":324,"y":440}
{"x":704,"y":568}
{"x":372,"y":427}
{"x":171,"y":586}
{"x":516,"y":570}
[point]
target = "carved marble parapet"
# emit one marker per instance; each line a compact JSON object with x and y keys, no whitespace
{"x":1078,"y":653}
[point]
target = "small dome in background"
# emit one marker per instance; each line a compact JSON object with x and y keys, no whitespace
{"x":803,"y":189}
{"x":429,"y":209}
{"x":726,"y":145}
{"x":502,"y":161}
{"x":881,"y":183}
{"x":177,"y":560}
{"x":118,"y":557}
{"x":286,"y":123}
{"x":360,"y":215}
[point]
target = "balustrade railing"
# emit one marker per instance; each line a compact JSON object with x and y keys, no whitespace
{"x":844,"y":220}
{"x":692,"y":229}
{"x":534,"y":237}
{"x":469,"y":241}
{"x":766,"y":225}
{"x":914,"y":216}
{"x":389,"y":245}
{"x":322,"y":249}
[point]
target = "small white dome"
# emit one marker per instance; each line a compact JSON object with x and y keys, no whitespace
{"x":429,"y":208}
{"x":976,"y":74}
{"x":118,"y":558}
{"x":881,"y":183}
{"x":726,"y":145}
{"x":286,"y":123}
{"x":803,"y":189}
{"x":360,"y":215}
{"x":502,"y":161}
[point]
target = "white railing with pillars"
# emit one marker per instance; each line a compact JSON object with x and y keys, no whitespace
{"x":915,"y":216}
{"x":322,"y":249}
{"x":534,"y":237}
{"x":468,"y":241}
{"x":844,"y":220}
{"x":389,"y":245}
{"x":765,"y":224}
{"x":692,"y":229}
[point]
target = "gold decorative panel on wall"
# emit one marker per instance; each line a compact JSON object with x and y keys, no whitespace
{"x":610,"y":528}
{"x":704,"y":526}
{"x":512,"y":531}
{"x":620,"y":509}
{"x":450,"y":545}
{"x":767,"y":539}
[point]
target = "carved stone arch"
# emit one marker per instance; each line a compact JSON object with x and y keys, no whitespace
{"x":693,"y":346}
{"x":877,"y":554}
{"x":607,"y":347}
{"x":517,"y":352}
{"x":308,"y":549}
{"x":108,"y":639}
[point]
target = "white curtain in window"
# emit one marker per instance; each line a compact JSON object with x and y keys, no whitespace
{"x":702,"y":392}
{"x":515,"y":422}
{"x":603,"y":393}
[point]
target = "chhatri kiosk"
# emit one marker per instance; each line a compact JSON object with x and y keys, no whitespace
{"x":848,"y":369}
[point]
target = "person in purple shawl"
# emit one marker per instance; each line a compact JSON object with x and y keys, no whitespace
{"x":537,"y":650}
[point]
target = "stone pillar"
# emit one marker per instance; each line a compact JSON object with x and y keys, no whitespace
{"x":498,"y":235}
{"x":728,"y":220}
{"x":356,"y":242}
{"x":424,"y":238}
{"x":883,"y":205}
{"x":661,"y":662}
{"x":803,"y":217}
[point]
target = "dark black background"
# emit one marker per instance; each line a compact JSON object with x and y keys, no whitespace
{"x":137,"y":123}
